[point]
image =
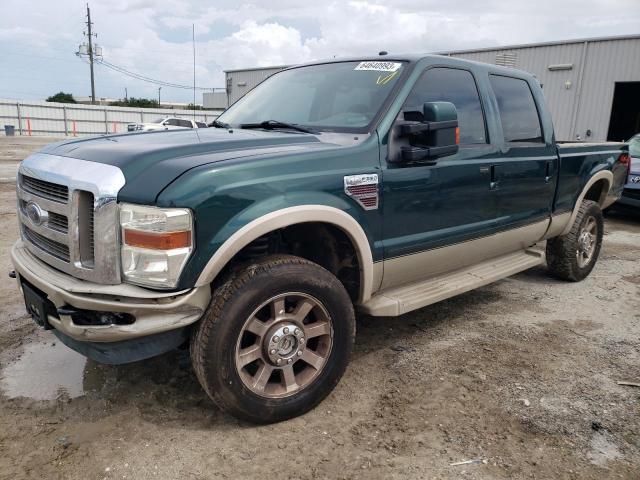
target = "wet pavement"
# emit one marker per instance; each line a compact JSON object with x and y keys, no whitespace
{"x":48,"y":370}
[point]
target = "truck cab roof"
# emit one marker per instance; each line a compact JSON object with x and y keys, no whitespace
{"x":425,"y":59}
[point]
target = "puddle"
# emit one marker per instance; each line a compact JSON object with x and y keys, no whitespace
{"x":46,"y":371}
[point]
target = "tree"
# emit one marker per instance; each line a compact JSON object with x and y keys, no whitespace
{"x":136,"y":102}
{"x":191,"y":106}
{"x":62,"y":97}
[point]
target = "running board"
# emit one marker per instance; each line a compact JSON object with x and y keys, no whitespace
{"x":400,"y":300}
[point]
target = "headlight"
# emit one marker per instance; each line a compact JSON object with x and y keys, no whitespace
{"x":156,"y":244}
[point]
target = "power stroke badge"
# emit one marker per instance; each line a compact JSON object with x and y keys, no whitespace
{"x":363,"y":189}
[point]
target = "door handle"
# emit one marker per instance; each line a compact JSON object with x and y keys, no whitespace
{"x":547,"y":173}
{"x":493,"y":184}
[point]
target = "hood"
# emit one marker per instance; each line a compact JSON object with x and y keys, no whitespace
{"x":152,"y":160}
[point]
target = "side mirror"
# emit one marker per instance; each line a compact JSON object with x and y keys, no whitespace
{"x":435,"y":136}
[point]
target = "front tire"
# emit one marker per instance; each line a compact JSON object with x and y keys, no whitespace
{"x":572,"y":256}
{"x":275,"y":339}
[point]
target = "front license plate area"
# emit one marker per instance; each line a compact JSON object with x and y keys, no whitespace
{"x":38,"y":305}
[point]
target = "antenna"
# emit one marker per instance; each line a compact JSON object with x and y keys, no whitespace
{"x":193,"y":40}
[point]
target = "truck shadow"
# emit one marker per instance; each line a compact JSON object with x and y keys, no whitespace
{"x":623,"y":215}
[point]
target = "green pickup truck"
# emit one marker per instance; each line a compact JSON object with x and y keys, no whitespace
{"x":380,"y":184}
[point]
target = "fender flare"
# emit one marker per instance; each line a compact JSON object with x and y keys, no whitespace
{"x":601,"y":175}
{"x":291,"y":216}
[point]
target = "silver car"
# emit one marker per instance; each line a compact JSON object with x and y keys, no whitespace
{"x":631,"y":193}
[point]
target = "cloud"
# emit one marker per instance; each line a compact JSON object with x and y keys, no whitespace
{"x":154,"y":38}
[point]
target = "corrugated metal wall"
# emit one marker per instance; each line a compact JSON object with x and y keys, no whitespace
{"x":576,"y":106}
{"x":606,"y":63}
{"x":240,"y":82}
{"x":49,"y":118}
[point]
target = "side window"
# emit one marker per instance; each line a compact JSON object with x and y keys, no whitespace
{"x":172,"y":121}
{"x":455,"y":86}
{"x":185,"y":123}
{"x":518,"y":112}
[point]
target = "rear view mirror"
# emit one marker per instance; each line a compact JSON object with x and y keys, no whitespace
{"x":435,"y":136}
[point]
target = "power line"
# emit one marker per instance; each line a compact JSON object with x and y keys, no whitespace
{"x":144,"y":78}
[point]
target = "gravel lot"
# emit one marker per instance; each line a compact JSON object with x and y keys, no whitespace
{"x":520,"y":376}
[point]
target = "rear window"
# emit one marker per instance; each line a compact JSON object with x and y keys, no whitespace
{"x":518,"y":112}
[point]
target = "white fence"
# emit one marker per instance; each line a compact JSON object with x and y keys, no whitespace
{"x":49,"y":118}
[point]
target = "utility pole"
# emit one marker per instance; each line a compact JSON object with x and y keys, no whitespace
{"x":126,"y":96}
{"x":93,"y":85}
{"x":90,"y":50}
{"x":159,"y":88}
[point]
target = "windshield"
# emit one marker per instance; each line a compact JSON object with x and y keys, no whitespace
{"x":342,"y":96}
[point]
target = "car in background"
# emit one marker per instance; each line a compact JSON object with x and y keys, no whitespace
{"x":162,"y":123}
{"x":631,"y":192}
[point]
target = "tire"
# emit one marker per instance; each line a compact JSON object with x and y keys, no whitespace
{"x":569,"y":257}
{"x":264,"y":311}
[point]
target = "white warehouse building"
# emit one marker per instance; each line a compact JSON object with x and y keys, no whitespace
{"x":592,"y":85}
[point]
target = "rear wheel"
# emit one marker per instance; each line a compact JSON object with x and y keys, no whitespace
{"x":275,"y":340}
{"x":573,"y":256}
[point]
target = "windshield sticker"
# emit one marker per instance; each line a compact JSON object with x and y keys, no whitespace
{"x":379,"y":66}
{"x":384,"y":79}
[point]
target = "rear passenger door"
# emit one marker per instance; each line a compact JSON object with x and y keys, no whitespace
{"x":525,"y":174}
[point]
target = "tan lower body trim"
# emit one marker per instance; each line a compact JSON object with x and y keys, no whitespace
{"x":558,"y":224}
{"x":410,"y":268}
{"x":291,"y":216}
{"x":400,"y":300}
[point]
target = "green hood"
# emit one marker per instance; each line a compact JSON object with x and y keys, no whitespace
{"x":152,"y":160}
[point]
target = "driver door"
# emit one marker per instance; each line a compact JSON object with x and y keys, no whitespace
{"x":428,"y":208}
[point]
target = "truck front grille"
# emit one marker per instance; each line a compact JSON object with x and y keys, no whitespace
{"x":46,"y":238}
{"x":58,"y":222}
{"x":44,"y":189}
{"x":51,"y":247}
{"x":69,"y":215}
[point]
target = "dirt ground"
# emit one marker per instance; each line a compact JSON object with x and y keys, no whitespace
{"x":520,"y":377}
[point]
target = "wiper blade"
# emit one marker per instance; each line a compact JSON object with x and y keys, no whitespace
{"x":219,"y":124}
{"x":273,"y":124}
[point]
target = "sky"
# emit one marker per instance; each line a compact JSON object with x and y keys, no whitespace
{"x":39,"y":38}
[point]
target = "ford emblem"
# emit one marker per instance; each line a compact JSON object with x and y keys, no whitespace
{"x":36,"y":215}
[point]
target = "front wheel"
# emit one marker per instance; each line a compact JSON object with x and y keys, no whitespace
{"x":573,"y":256}
{"x":275,"y":340}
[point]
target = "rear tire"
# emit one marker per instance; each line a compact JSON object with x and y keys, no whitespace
{"x":572,"y":256}
{"x":275,"y":339}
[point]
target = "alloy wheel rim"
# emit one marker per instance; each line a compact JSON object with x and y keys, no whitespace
{"x":587,"y":240}
{"x":284,"y":345}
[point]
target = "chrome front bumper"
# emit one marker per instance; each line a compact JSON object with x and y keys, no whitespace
{"x":155,"y":312}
